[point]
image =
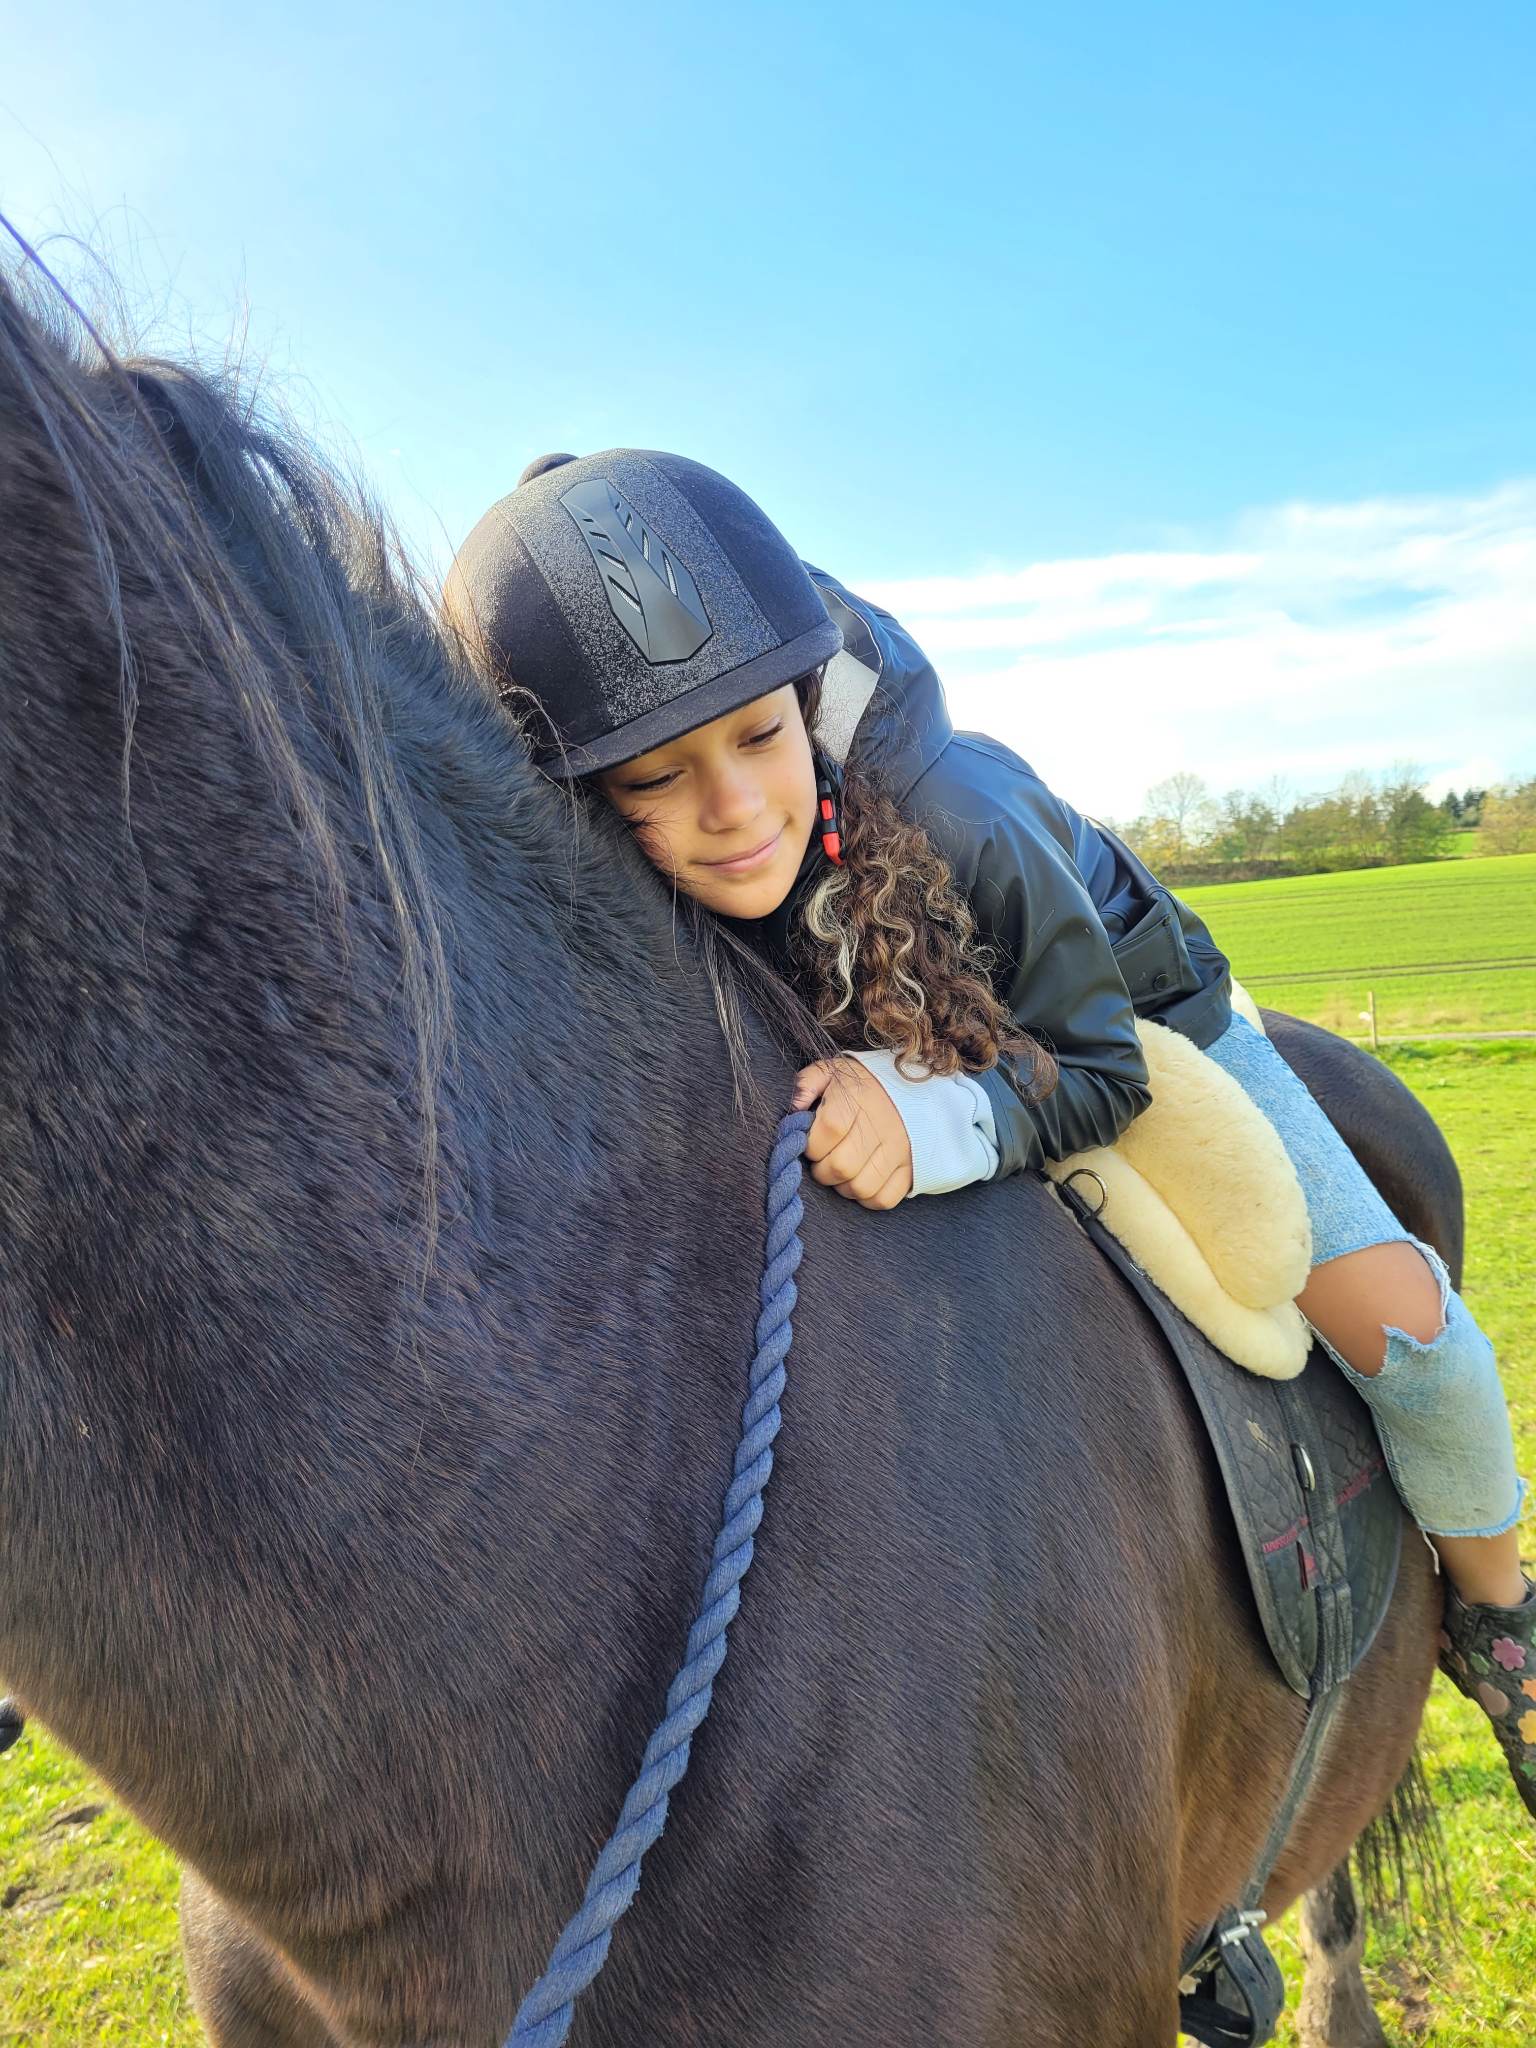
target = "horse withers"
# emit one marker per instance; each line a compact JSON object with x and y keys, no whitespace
{"x":379,"y":1233}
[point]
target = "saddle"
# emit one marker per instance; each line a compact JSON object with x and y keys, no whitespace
{"x":1319,"y":1527}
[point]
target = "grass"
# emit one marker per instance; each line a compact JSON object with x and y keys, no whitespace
{"x":1446,"y":947}
{"x":87,"y":1917}
{"x":88,"y":1943}
{"x":1476,"y":1989}
{"x":1463,"y":845}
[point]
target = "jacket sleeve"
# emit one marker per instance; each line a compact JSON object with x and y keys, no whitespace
{"x":1054,"y":968}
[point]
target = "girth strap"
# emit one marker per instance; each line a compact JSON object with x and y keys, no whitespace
{"x":1237,"y":1992}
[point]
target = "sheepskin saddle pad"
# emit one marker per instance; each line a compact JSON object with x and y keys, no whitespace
{"x":1202,"y":1194}
{"x":1316,"y":1517}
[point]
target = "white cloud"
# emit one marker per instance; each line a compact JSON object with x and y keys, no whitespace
{"x":1310,"y":640}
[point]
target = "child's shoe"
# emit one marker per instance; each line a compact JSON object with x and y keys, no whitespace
{"x":1489,"y":1653}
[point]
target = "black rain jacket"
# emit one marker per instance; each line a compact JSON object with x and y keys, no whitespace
{"x":1084,"y":935}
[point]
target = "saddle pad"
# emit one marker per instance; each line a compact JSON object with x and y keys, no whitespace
{"x":1317,"y":1517}
{"x":1202,"y":1193}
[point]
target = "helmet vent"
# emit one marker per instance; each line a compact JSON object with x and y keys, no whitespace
{"x":650,"y":592}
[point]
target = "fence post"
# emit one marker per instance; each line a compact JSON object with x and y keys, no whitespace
{"x":1370,"y":998}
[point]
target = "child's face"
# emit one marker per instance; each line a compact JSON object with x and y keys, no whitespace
{"x":727,"y":811}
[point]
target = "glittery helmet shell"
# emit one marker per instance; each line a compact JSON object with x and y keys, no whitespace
{"x":634,"y":595}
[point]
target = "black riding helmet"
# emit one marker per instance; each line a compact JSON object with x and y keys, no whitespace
{"x":634,"y":595}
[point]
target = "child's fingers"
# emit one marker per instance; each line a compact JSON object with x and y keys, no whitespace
{"x":842,"y":1130}
{"x":811,"y":1084}
{"x":894,"y":1190}
{"x":846,"y":1147}
{"x":837,"y":1117}
{"x":857,"y":1166}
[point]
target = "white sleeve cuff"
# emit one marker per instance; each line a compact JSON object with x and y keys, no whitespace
{"x":949,"y":1124}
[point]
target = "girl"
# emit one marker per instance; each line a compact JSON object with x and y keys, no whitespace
{"x":783,"y":753}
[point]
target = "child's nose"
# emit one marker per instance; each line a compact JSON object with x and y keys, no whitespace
{"x":734,"y":800}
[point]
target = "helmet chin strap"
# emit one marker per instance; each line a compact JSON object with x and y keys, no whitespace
{"x":828,"y":822}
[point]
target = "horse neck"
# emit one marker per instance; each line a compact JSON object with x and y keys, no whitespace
{"x":239,"y":1433}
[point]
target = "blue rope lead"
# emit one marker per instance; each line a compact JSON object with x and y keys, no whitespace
{"x":544,"y":2017}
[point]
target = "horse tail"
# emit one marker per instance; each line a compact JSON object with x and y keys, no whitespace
{"x":1400,"y":1859}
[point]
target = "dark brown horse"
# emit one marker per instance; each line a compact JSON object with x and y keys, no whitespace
{"x":379,"y":1238}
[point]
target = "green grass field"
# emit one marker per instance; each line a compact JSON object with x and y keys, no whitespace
{"x":1478,"y":1985}
{"x":1447,"y":947}
{"x":87,"y":1918}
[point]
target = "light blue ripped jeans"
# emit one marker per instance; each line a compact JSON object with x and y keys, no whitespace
{"x":1439,"y":1407}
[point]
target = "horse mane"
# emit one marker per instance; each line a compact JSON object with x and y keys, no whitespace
{"x":289,"y":585}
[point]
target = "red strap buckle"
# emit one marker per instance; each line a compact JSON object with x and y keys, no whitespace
{"x":831,"y":837}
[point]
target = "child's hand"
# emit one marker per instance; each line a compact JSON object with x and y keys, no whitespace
{"x":858,"y":1143}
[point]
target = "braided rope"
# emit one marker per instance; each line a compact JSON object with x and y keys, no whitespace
{"x":544,"y":2017}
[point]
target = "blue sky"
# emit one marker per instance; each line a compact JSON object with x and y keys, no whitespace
{"x":1172,"y":367}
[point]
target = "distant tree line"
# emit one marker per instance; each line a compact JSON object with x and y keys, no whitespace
{"x":1187,"y":833}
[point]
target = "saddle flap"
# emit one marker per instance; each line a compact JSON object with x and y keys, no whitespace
{"x":1318,"y":1521}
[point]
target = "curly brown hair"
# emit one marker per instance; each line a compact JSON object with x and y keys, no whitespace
{"x":886,"y":951}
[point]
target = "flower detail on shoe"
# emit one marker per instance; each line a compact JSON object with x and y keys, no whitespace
{"x":1492,"y":1649}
